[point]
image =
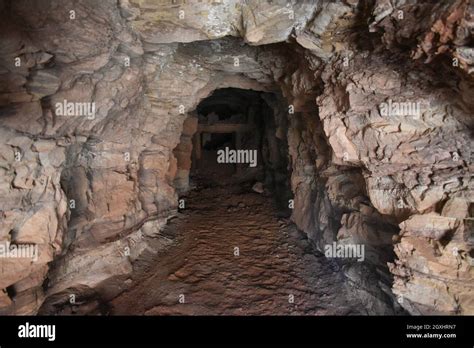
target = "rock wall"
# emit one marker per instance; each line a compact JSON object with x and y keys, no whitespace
{"x":87,"y":188}
{"x":414,"y":165}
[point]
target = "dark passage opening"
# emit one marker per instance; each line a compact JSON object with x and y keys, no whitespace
{"x":227,"y":144}
{"x":238,"y":138}
{"x":216,"y":141}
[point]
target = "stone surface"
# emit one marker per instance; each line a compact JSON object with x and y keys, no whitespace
{"x":275,"y":261}
{"x":84,"y":187}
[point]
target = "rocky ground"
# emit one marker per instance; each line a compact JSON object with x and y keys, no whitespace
{"x":274,"y":271}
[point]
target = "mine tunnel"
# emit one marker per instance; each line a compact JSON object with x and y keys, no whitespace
{"x":236,"y":157}
{"x":226,"y":119}
{"x":230,"y":140}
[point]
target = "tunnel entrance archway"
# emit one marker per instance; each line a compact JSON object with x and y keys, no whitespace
{"x":229,"y":122}
{"x":236,"y":137}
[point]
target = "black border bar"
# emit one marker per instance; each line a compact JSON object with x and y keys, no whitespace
{"x":333,"y":330}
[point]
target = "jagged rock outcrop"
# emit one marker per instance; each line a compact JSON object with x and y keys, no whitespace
{"x":379,"y":133}
{"x":414,"y":163}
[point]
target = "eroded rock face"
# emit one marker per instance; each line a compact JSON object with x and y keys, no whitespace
{"x":414,"y":161}
{"x":378,"y":127}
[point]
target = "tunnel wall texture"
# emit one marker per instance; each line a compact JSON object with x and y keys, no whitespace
{"x":87,"y":188}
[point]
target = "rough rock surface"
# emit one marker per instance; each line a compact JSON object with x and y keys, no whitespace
{"x":85,"y":189}
{"x":282,"y":276}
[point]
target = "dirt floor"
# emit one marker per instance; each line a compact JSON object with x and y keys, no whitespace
{"x":232,"y":255}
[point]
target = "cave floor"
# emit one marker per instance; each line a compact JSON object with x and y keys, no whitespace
{"x":274,"y":264}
